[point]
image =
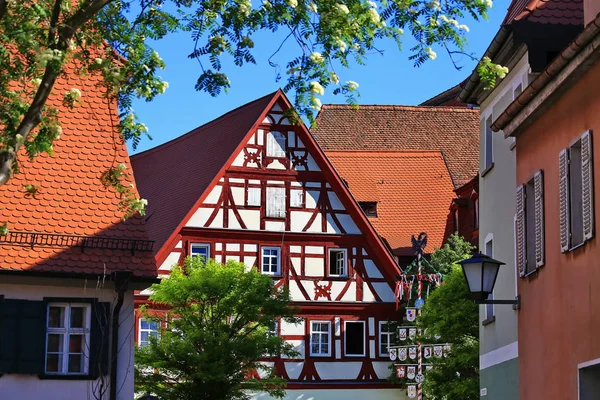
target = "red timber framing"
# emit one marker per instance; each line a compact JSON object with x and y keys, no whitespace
{"x":289,"y":198}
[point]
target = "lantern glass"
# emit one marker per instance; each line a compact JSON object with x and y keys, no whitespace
{"x":490,"y":273}
{"x":473,"y":273}
{"x":481,"y":272}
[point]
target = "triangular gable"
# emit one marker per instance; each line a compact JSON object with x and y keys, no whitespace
{"x":354,"y":221}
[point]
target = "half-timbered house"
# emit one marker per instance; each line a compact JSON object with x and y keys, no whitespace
{"x":254,"y":187}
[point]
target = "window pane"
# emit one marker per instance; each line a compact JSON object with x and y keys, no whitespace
{"x":77,"y":317}
{"x":315,"y":348}
{"x":75,"y":363}
{"x":143,"y":324}
{"x":355,"y":338}
{"x":55,"y":343}
{"x":324,"y":347}
{"x":53,"y":363}
{"x":143,"y":336}
{"x":153,"y":325}
{"x":76,"y":344}
{"x":56,"y":317}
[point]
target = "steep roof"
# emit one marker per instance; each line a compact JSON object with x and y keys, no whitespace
{"x":448,"y":97}
{"x":71,"y":199}
{"x":564,"y":12}
{"x":413,"y":191}
{"x":174,"y":175}
{"x":454,"y":131}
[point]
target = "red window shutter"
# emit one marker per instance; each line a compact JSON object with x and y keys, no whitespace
{"x":538,"y":183}
{"x":587,"y":185}
{"x":563,"y":203}
{"x":520,"y":244}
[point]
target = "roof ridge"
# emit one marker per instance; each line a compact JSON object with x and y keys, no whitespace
{"x":206,"y":124}
{"x":390,"y":152}
{"x":403,"y":107}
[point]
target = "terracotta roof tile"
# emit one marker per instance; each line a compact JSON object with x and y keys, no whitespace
{"x":413,"y":191}
{"x":71,"y":198}
{"x":563,"y":12}
{"x":452,"y":130}
{"x":201,"y":153}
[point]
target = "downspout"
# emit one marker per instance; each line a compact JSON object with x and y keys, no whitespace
{"x":121,"y":283}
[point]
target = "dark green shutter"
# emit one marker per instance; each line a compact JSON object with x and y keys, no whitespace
{"x":100,"y":339}
{"x":22,"y":336}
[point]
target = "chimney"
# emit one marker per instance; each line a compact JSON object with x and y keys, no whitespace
{"x":591,"y":9}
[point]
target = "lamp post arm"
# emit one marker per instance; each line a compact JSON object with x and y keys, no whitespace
{"x":516,"y":302}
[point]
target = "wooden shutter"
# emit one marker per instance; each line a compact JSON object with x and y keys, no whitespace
{"x":22,"y":336}
{"x":587,"y":185}
{"x":296,"y":197}
{"x":563,"y":200}
{"x":538,"y":184}
{"x":276,"y":202}
{"x":520,"y":238}
{"x":253,"y":196}
{"x":99,"y":339}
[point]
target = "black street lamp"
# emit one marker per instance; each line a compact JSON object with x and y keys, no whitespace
{"x":481,"y":272}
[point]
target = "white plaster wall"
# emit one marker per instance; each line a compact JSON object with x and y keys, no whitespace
{"x":298,"y":220}
{"x":336,"y":204}
{"x":239,"y":160}
{"x":26,"y":387}
{"x":295,"y":293}
{"x":294,"y":369}
{"x":233,"y":221}
{"x":170,"y":261}
{"x":348,"y":223}
{"x":372,"y":270}
{"x":337,"y":370}
{"x":314,"y":266}
{"x":264,"y":373}
{"x":314,"y":250}
{"x":218,"y":221}
{"x":276,"y":226}
{"x":367,"y":294}
{"x":213,"y":196}
{"x":382,"y":369}
{"x":339,"y":394}
{"x":384,"y":291}
{"x":298,"y":345}
{"x":288,"y":328}
{"x":238,"y":195}
{"x":276,"y":165}
{"x":199,"y":218}
{"x":312,"y":197}
{"x":312,"y":164}
{"x":251,"y":218}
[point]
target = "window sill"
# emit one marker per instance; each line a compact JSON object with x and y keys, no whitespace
{"x":71,"y":377}
{"x":488,"y":321}
{"x":486,"y":171}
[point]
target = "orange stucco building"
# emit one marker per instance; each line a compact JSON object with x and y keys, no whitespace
{"x":556,"y":122}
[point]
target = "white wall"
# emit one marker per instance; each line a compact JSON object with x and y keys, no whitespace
{"x":26,"y":387}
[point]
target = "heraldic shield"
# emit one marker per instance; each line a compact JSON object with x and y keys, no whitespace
{"x":402,"y":353}
{"x":393,"y":354}
{"x":411,"y":391}
{"x":401,"y":371}
{"x":411,"y":371}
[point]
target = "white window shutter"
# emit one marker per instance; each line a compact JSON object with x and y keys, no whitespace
{"x":296,"y":197}
{"x":563,"y":200}
{"x":276,"y":202}
{"x":520,"y":231}
{"x":253,"y":196}
{"x":538,"y":183}
{"x":587,"y":185}
{"x":276,"y":144}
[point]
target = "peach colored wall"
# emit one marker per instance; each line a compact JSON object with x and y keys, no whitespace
{"x":559,"y":322}
{"x":591,"y":8}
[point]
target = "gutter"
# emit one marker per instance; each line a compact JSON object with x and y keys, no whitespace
{"x":491,"y":52}
{"x":121,"y":284}
{"x":545,"y":77}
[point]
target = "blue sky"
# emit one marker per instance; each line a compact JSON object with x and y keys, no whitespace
{"x":387,"y":79}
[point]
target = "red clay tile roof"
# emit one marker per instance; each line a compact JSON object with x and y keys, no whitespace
{"x":564,"y":12}
{"x":413,"y":191}
{"x":200,"y":155}
{"x":71,"y":199}
{"x":452,"y":130}
{"x":448,"y":97}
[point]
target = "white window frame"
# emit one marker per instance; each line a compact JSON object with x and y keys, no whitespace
{"x":296,"y":197}
{"x":262,"y":255}
{"x":140,"y":330}
{"x":364,"y":353}
{"x":345,"y":261}
{"x":319,"y":354}
{"x":389,"y":334}
{"x":270,"y":212}
{"x":66,"y":331}
{"x":281,"y":141}
{"x":199,"y":245}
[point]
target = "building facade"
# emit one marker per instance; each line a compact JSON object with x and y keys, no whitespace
{"x":69,"y":264}
{"x":554,"y":122}
{"x":531,"y":35}
{"x":268,"y":197}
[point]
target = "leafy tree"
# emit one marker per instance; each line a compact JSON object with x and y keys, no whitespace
{"x":39,"y":39}
{"x":221,"y":316}
{"x":455,"y":249}
{"x":450,"y":314}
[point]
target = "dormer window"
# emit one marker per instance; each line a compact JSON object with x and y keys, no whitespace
{"x":369,"y":208}
{"x":276,"y":144}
